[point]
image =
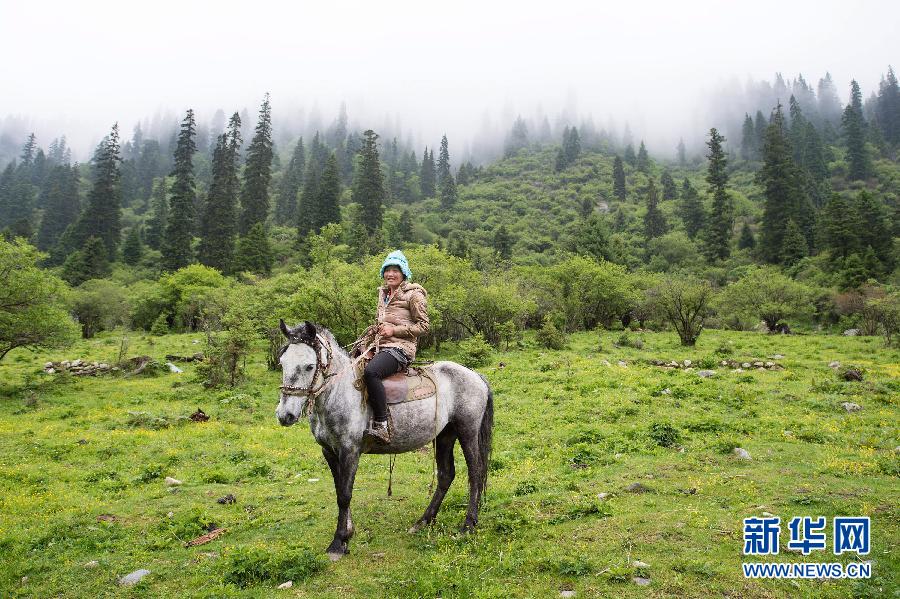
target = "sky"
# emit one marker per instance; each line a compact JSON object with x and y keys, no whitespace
{"x":451,"y":67}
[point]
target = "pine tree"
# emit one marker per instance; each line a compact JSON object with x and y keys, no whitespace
{"x":691,"y":209}
{"x":794,"y":247}
{"x":781,"y":182}
{"x":133,"y":249}
{"x":405,"y":226}
{"x":102,"y":217}
{"x":629,"y":155}
{"x":328,"y":208}
{"x":156,"y":231}
{"x":829,"y":103}
{"x":669,"y":189}
{"x":517,"y":139}
{"x":619,"y":179}
{"x":90,"y":262}
{"x":176,"y":249}
{"x":814,"y":155}
{"x":368,"y":187}
{"x":446,"y":184}
{"x":873,"y":229}
{"x":797,"y":130}
{"x":681,"y":152}
{"x":761,"y":125}
{"x":839,"y":227}
{"x":62,"y":205}
{"x":855,"y":132}
{"x":503,"y":243}
{"x":654,"y":221}
{"x":717,"y":240}
{"x":219,"y":222}
{"x":257,"y":172}
{"x":887,"y":108}
{"x":291,"y":182}
{"x":746,"y":241}
{"x":254,"y":254}
{"x":643,"y":159}
{"x":427,"y":175}
{"x":748,"y":139}
{"x":309,"y":197}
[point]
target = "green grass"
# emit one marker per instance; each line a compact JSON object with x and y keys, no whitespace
{"x":567,"y":428}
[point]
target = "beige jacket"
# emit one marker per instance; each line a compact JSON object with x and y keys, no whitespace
{"x":407,"y":312}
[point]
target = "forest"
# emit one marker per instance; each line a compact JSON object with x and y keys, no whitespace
{"x":790,"y":223}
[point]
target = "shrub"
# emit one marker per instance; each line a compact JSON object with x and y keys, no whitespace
{"x":475,"y":351}
{"x":246,"y":567}
{"x":549,"y":336}
{"x":685,"y":303}
{"x":160,"y":325}
{"x":664,"y":434}
{"x":626,"y":340}
{"x":767,"y":294}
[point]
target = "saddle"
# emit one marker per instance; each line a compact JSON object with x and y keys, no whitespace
{"x":412,"y":385}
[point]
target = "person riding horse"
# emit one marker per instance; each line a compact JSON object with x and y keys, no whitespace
{"x":401,"y":318}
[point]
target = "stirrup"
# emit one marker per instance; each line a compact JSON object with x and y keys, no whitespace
{"x":378,"y":433}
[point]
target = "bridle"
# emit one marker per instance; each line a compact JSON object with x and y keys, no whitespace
{"x":312,"y":391}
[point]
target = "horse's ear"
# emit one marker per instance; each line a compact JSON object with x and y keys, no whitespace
{"x":308,"y":330}
{"x":284,"y":328}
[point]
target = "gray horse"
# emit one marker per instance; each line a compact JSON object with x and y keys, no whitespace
{"x":317,"y":376}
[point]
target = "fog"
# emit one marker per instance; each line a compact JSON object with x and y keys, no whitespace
{"x":418,"y":70}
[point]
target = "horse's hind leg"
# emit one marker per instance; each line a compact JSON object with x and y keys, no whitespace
{"x":446,"y":471}
{"x":343,"y":466}
{"x":468,"y":440}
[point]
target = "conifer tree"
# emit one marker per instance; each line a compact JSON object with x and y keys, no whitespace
{"x":873,"y":229}
{"x":691,"y":209}
{"x":643,"y":159}
{"x":427,"y":175}
{"x":517,"y":139}
{"x":368,"y":187}
{"x":784,"y":196}
{"x":176,"y":249}
{"x":748,"y":139}
{"x":405,"y":226}
{"x":829,"y":103}
{"x":717,"y":240}
{"x":62,"y":205}
{"x":854,"y":126}
{"x":761,"y":125}
{"x":840,"y":225}
{"x":503,"y":242}
{"x":159,"y":202}
{"x":629,"y":155}
{"x":254,"y":253}
{"x":794,"y":247}
{"x":681,"y":152}
{"x":619,"y":179}
{"x":797,"y":130}
{"x":306,"y":208}
{"x":133,"y":249}
{"x":446,"y":184}
{"x":654,"y":221}
{"x":746,"y":241}
{"x":291,"y":182}
{"x":102,"y":218}
{"x":887,"y":108}
{"x":90,"y":262}
{"x":669,"y":189}
{"x":257,"y":172}
{"x":328,"y":208}
{"x":219,"y":221}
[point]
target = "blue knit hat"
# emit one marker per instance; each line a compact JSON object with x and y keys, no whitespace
{"x":396,"y":258}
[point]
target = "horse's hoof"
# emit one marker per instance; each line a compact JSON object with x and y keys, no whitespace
{"x":467,"y":528}
{"x":416,"y":527}
{"x":335,"y":556}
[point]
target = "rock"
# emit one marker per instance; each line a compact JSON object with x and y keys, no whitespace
{"x":852,"y":374}
{"x":706,"y":373}
{"x":687,"y":362}
{"x":567,"y":593}
{"x":286,"y":585}
{"x":637,"y":488}
{"x":172,"y":482}
{"x":173,"y":368}
{"x":834,"y":364}
{"x":104,"y":366}
{"x":851,"y":407}
{"x":738,"y":370}
{"x":132,"y":579}
{"x":770,"y":364}
{"x":227,"y":500}
{"x":639,"y":564}
{"x":745,"y":365}
{"x":689,"y":369}
{"x":48,"y":364}
{"x":723,"y":363}
{"x":50,"y":371}
{"x":757,"y":364}
{"x":92,"y":564}
{"x":602,"y":495}
{"x":851,"y":332}
{"x":622,"y":364}
{"x":605,"y":362}
{"x":778,"y":357}
{"x":666,"y":391}
{"x":195,"y":341}
{"x":641,"y":581}
{"x":76,"y":363}
{"x":673,"y":364}
{"x":741,"y":453}
{"x":768,"y":514}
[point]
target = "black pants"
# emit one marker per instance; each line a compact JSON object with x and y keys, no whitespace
{"x":381,"y":366}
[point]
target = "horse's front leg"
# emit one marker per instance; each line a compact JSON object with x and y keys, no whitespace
{"x":343,"y":464}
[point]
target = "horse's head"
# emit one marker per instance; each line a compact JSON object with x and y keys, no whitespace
{"x":304,"y":359}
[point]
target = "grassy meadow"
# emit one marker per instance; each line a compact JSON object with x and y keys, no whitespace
{"x":83,"y":500}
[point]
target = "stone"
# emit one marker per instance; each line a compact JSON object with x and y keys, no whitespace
{"x":602,"y":495}
{"x":50,"y":371}
{"x":706,"y":373}
{"x":48,"y":364}
{"x":852,"y":374}
{"x":778,"y":357}
{"x":741,"y":453}
{"x":639,"y":564}
{"x":132,"y":579}
{"x":622,"y":364}
{"x":567,"y":594}
{"x":666,"y":391}
{"x":745,"y":365}
{"x":173,"y":368}
{"x":851,"y":333}
{"x":286,"y":585}
{"x":723,"y":363}
{"x":227,"y":500}
{"x":605,"y":362}
{"x":770,"y":364}
{"x":637,"y":488}
{"x":757,"y":364}
{"x":103,"y":366}
{"x":851,"y":407}
{"x":768,"y":514}
{"x":738,"y":370}
{"x":172,"y":482}
{"x":687,"y":362}
{"x":92,"y":564}
{"x":641,"y":581}
{"x":834,"y":364}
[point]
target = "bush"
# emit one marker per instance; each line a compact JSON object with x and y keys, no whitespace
{"x":475,"y":351}
{"x":685,"y":303}
{"x":160,"y":325}
{"x":549,"y":336}
{"x":625,"y":340}
{"x":664,"y":435}
{"x":768,"y":295}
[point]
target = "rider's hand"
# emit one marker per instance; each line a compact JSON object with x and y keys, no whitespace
{"x":386,"y":329}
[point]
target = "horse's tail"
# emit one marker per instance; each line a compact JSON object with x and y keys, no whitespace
{"x":485,"y":437}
